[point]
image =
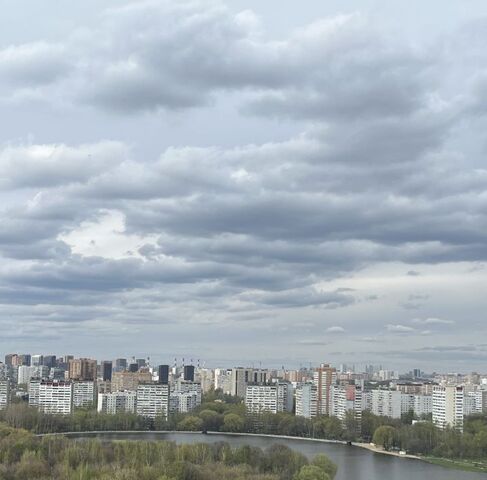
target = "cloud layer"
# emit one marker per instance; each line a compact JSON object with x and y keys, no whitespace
{"x":267,"y":238}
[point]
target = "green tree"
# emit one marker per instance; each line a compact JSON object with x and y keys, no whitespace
{"x":311,"y":472}
{"x":323,"y":462}
{"x":385,"y":436}
{"x":211,"y":420}
{"x":191,"y":423}
{"x":232,"y":423}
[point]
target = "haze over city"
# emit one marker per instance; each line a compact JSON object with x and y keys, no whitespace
{"x":245,"y":182}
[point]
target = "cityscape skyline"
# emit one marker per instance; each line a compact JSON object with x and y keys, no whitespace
{"x":245,"y":181}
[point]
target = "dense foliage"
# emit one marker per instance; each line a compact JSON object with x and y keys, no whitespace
{"x":24,"y":456}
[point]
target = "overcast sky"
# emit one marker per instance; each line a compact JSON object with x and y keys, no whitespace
{"x":245,"y":181}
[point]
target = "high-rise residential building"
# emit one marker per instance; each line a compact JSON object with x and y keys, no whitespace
{"x":423,"y":405}
{"x":189,"y":373}
{"x":324,"y":377}
{"x":163,"y":374}
{"x":240,"y":377}
{"x":346,"y":399}
{"x":123,"y":381}
{"x":106,"y":370}
{"x":152,"y":400}
{"x":306,"y":400}
{"x":56,"y":397}
{"x":183,"y":386}
{"x":83,"y":393}
{"x":223,"y":379}
{"x":183,"y":402}
{"x":272,"y":398}
{"x":82,"y":369}
{"x":448,"y":406}
{"x":33,"y":391}
{"x":205,"y":376}
{"x":25,"y":373}
{"x":117,"y":402}
{"x":387,"y":403}
{"x":4,"y":394}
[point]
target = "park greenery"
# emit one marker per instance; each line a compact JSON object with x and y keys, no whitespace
{"x":25,"y":456}
{"x":222,"y":413}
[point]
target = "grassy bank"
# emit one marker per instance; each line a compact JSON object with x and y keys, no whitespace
{"x":479,"y":466}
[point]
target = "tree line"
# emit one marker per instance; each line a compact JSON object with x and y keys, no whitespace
{"x":25,"y":456}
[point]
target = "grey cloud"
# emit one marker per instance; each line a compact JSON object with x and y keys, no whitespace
{"x":33,"y":64}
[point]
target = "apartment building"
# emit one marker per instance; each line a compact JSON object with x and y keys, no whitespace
{"x":272,"y":398}
{"x":56,"y":397}
{"x":448,"y":406}
{"x":152,"y":400}
{"x":117,"y":402}
{"x":84,"y":394}
{"x":4,"y":394}
{"x":324,"y":377}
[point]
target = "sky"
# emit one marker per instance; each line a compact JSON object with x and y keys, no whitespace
{"x":245,"y":183}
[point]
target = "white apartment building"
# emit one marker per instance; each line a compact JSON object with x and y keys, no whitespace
{"x":56,"y":397}
{"x":25,"y":373}
{"x":33,"y":391}
{"x":422,"y":405}
{"x":117,"y":402}
{"x":272,"y":398}
{"x":223,"y":380}
{"x":387,"y":403}
{"x":183,"y":402}
{"x":478,"y":402}
{"x":448,"y":406}
{"x":285,"y":397}
{"x":344,"y":399}
{"x":84,"y":394}
{"x":4,"y":394}
{"x":306,"y":400}
{"x":152,"y":400}
{"x":185,"y":386}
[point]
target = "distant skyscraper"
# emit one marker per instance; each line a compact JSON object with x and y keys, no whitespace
{"x":49,"y":361}
{"x":107,"y":370}
{"x":82,"y":369}
{"x":163,"y":371}
{"x":9,"y":359}
{"x":120,"y":364}
{"x":141,"y":362}
{"x":133,"y":367}
{"x":25,"y":359}
{"x":189,"y":373}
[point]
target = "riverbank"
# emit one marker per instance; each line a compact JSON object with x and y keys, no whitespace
{"x":458,"y":464}
{"x":376,"y":449}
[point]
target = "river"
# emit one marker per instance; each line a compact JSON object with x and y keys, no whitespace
{"x":354,"y":463}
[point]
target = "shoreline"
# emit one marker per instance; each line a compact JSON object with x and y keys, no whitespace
{"x":375,"y":449}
